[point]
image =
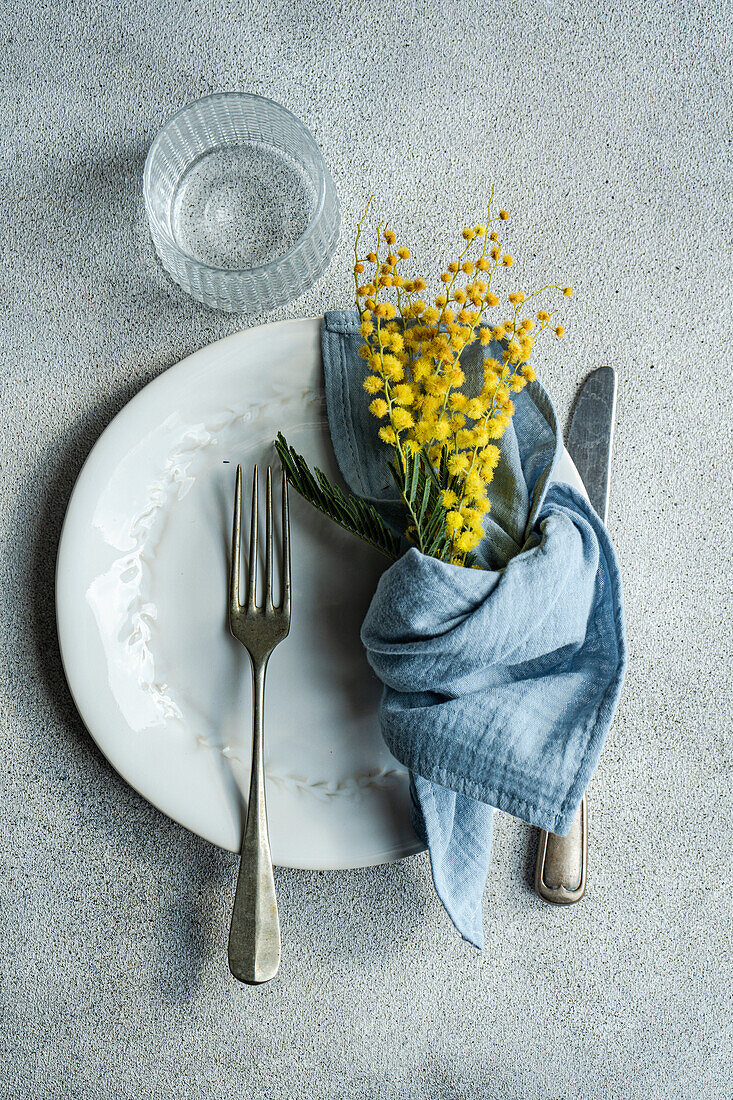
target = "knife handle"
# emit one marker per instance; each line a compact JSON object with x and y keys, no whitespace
{"x":562,"y":862}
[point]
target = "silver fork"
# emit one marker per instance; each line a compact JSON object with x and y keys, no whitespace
{"x":254,"y":935}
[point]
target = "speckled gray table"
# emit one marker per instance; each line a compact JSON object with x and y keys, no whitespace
{"x":604,"y":129}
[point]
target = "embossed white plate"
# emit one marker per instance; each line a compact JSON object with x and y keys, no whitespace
{"x":141,"y":601}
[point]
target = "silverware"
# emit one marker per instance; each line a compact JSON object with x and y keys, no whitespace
{"x":254,"y":935}
{"x":562,"y":862}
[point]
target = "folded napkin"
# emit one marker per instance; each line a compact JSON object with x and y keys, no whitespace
{"x":499,"y":683}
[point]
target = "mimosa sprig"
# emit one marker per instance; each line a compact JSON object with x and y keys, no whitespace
{"x":441,"y":441}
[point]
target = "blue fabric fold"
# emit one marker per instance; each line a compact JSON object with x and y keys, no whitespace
{"x":500,"y":683}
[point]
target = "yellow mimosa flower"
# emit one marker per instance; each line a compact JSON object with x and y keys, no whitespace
{"x":379,"y":408}
{"x":402,"y":419}
{"x":458,"y":464}
{"x":466,"y":542}
{"x":403,"y":394}
{"x":457,"y":402}
{"x":441,"y":430}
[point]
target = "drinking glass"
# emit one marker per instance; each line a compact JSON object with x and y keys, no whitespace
{"x":242,"y":208}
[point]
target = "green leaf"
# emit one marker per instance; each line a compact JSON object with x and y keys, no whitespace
{"x":421,"y":490}
{"x":426,"y":494}
{"x":350,"y":512}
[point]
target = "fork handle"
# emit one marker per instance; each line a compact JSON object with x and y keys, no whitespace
{"x":254,"y":934}
{"x":562,"y":862}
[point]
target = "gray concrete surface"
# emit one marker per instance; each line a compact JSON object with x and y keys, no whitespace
{"x":605,"y":131}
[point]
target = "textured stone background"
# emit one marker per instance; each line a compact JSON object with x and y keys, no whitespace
{"x":605,"y":131}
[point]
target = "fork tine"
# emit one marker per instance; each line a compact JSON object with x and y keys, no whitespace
{"x":252,"y":587}
{"x":268,"y":541}
{"x":286,"y":548}
{"x":236,"y":536}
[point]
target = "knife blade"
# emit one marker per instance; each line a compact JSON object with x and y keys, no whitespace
{"x":562,"y":862}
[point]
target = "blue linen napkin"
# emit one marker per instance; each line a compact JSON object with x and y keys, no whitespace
{"x":500,"y":683}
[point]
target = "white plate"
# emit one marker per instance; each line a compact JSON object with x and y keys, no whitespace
{"x":141,"y":601}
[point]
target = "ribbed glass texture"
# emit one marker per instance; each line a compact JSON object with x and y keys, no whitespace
{"x":242,"y":209}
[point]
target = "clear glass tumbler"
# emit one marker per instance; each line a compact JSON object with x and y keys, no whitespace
{"x":242,"y":209}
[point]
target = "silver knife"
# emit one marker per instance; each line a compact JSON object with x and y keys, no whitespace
{"x":562,"y":861}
